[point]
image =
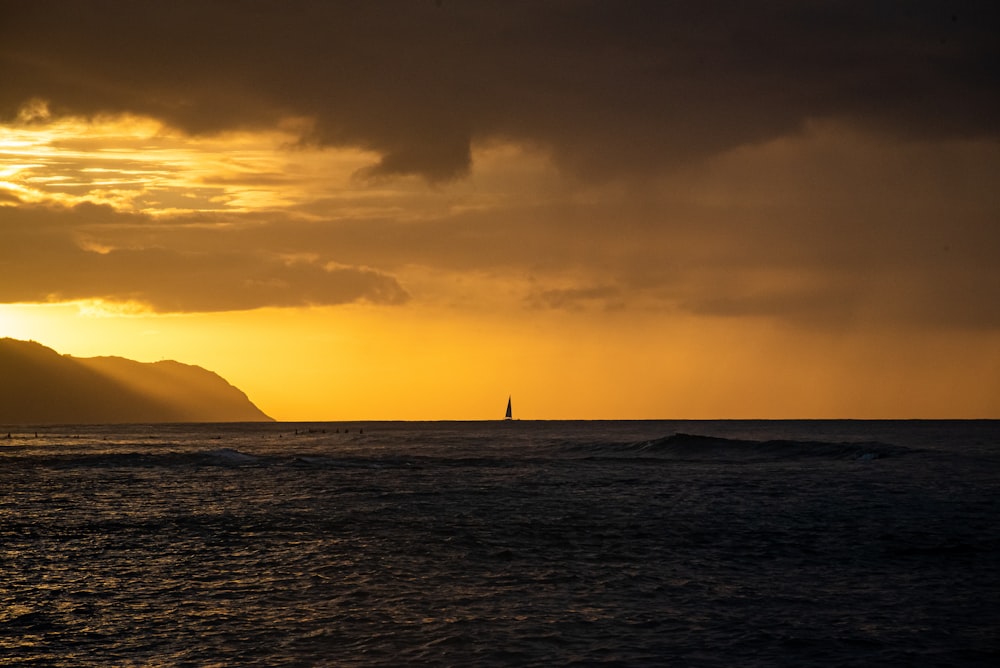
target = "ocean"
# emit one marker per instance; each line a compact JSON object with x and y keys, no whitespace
{"x":520,"y":543}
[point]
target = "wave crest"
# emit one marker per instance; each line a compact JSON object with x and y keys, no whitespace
{"x":694,"y":447}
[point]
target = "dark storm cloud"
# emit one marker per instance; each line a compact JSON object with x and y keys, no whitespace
{"x":833,"y":229}
{"x":45,"y":256}
{"x":827,"y":162}
{"x":609,"y":87}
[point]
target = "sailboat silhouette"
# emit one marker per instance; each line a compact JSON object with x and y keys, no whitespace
{"x":507,"y":416}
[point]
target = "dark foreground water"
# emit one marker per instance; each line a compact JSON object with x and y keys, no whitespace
{"x":519,"y":543}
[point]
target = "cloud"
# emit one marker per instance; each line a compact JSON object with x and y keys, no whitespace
{"x":609,"y":88}
{"x":45,"y":256}
{"x":804,"y":162}
{"x":831,"y":227}
{"x":605,"y":297}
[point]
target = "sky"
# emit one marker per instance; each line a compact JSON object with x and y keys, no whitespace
{"x":604,"y":209}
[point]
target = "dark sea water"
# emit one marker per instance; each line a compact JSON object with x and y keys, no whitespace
{"x":843,"y":543}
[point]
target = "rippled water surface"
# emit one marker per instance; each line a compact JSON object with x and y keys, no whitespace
{"x":519,"y":543}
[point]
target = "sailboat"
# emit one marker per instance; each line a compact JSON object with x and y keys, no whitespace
{"x":507,"y":416}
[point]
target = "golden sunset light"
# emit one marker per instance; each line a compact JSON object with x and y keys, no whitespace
{"x":492,"y":333}
{"x":358,"y":214}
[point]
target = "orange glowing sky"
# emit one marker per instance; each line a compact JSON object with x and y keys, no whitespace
{"x":607,"y":210}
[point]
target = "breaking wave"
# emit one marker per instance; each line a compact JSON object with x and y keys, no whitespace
{"x":693,"y":447}
{"x":679,"y":447}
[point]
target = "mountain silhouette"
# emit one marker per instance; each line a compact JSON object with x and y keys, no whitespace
{"x":40,"y":386}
